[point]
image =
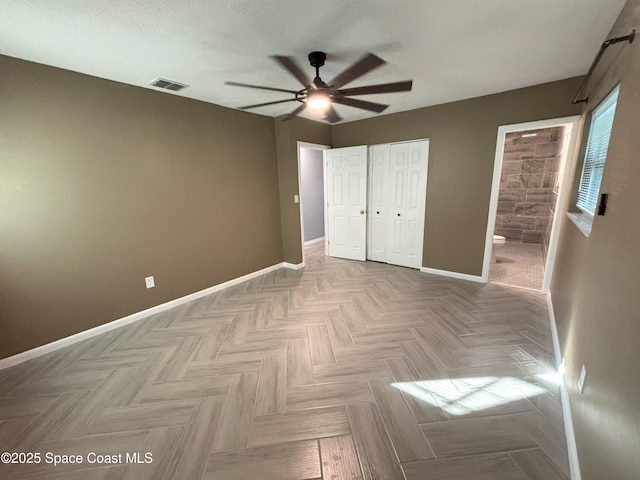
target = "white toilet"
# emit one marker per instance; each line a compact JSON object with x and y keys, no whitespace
{"x":498,"y":241}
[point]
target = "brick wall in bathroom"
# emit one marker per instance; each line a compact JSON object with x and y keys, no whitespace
{"x":529,"y":173}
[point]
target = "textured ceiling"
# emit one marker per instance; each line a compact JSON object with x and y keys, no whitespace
{"x":452,"y":49}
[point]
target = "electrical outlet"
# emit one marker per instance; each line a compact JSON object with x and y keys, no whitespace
{"x":583,"y":377}
{"x":296,"y":199}
{"x":149,"y":282}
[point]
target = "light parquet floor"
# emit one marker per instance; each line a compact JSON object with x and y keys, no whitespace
{"x":343,"y":370}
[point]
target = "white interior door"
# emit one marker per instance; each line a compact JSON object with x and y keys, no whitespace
{"x":398,"y":161}
{"x":346,"y":202}
{"x":416,"y":202}
{"x":378,"y":211}
{"x":407,"y":198}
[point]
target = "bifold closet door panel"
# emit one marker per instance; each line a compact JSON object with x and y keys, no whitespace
{"x":378,"y":211}
{"x":416,"y":198}
{"x":407,"y":195}
{"x":397,"y":246}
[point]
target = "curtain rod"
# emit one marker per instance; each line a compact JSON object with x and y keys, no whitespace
{"x":612,"y":41}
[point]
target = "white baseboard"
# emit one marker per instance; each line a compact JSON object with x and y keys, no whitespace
{"x":574,"y":464}
{"x":536,"y":290}
{"x":293,"y":266}
{"x":315,"y":240}
{"x":446,"y":273}
{"x":134,"y":317}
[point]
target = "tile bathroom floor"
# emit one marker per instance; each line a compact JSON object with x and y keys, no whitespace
{"x":519,"y":265}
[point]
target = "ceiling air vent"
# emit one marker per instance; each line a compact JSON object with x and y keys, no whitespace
{"x":167,"y":84}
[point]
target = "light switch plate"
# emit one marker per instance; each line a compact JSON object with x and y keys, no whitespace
{"x":296,"y":199}
{"x":583,"y":377}
{"x":149,"y":282}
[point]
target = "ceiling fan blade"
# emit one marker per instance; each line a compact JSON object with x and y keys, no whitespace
{"x":354,"y":102}
{"x":362,"y":66}
{"x":268,"y":103}
{"x":294,"y":113}
{"x":382,"y":88}
{"x":332,"y":116}
{"x":289,"y":64}
{"x":260,"y":87}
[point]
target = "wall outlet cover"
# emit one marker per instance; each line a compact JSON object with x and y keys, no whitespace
{"x":149,"y":282}
{"x":583,"y":377}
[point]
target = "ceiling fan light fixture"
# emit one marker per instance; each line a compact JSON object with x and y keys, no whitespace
{"x":320,"y":96}
{"x":318,"y":100}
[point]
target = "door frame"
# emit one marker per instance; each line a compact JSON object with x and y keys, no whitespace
{"x":323,"y":148}
{"x":572,"y":122}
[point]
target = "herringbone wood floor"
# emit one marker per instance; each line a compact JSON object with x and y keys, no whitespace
{"x":343,"y":370}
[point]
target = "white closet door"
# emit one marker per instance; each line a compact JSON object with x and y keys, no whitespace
{"x":407,"y":196}
{"x":378,"y":212}
{"x":397,"y":244}
{"x":346,"y":202}
{"x":416,"y":202}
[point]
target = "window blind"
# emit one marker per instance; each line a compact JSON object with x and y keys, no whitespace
{"x":596,"y":155}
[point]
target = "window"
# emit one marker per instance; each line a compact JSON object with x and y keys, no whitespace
{"x":596,"y":154}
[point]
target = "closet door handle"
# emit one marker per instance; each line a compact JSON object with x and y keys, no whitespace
{"x":398,"y":214}
{"x":361,"y":212}
{"x":378,"y":213}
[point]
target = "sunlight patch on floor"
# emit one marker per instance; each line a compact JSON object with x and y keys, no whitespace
{"x":460,"y":396}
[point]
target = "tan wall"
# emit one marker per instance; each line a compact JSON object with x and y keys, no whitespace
{"x":288,"y":134}
{"x":596,"y":287}
{"x":461,"y":156}
{"x":102,"y":184}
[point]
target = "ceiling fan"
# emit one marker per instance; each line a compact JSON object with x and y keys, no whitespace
{"x":319,"y":95}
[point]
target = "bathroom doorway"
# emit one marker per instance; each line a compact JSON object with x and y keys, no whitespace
{"x":528,"y":196}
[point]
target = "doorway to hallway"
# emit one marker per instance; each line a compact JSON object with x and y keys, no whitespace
{"x":312,"y":188}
